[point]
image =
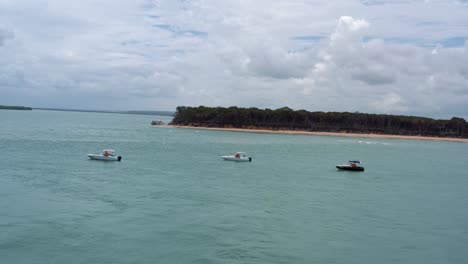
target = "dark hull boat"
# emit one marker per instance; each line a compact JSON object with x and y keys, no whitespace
{"x":350,"y":168}
{"x":352,"y":165}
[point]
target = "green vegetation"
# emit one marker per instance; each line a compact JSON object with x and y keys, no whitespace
{"x":15,"y":107}
{"x":288,"y":119}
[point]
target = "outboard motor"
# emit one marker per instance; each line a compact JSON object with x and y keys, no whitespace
{"x":250,"y":159}
{"x":119,"y":158}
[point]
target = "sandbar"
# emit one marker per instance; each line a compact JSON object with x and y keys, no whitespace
{"x":335,"y":134}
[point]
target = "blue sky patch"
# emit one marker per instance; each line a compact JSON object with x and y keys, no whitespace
{"x":454,"y":42}
{"x":179,"y":31}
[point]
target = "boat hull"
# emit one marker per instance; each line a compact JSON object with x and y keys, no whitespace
{"x":104,"y":158}
{"x":241,"y":159}
{"x":349,"y":168}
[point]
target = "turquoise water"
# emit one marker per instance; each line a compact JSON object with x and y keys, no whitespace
{"x":172,"y":199}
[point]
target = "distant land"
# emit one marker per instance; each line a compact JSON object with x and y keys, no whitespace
{"x":286,"y":119}
{"x":8,"y":107}
{"x":160,"y":113}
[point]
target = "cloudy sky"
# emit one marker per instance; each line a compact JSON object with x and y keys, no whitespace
{"x":379,"y":56}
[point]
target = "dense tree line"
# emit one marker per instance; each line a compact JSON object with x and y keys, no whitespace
{"x":15,"y":107}
{"x":288,"y":119}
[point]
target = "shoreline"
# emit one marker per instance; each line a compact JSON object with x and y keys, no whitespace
{"x":335,"y":134}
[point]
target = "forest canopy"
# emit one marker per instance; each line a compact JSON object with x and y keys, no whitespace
{"x":302,"y":120}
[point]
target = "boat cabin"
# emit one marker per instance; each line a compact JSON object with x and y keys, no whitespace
{"x":240,"y":155}
{"x":354,"y":163}
{"x":108,"y":152}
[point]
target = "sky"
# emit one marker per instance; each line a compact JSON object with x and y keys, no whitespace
{"x":405,"y":57}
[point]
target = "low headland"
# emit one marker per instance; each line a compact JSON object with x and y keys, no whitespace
{"x":286,"y":120}
{"x":10,"y":107}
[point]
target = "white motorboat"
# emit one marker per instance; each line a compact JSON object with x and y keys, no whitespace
{"x":239,"y":156}
{"x":106,"y":155}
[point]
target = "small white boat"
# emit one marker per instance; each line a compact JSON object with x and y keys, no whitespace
{"x":239,"y":156}
{"x":106,"y":155}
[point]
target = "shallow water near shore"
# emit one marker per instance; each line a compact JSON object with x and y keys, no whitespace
{"x":173,"y":199}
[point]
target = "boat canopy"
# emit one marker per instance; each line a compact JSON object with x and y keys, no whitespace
{"x":354,"y":161}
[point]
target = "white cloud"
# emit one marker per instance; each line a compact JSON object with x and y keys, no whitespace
{"x":390,"y":102}
{"x":371,"y":56}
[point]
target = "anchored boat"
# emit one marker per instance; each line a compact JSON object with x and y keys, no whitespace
{"x":239,"y":156}
{"x":157,"y":123}
{"x":106,"y":155}
{"x":352,"y":165}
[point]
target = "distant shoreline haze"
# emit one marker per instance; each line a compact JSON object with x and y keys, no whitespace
{"x":134,"y":112}
{"x":9,"y":107}
{"x":302,"y":120}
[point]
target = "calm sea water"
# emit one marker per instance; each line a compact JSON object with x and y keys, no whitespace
{"x":172,"y":199}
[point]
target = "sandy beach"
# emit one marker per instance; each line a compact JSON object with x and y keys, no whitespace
{"x":322,"y":133}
